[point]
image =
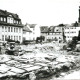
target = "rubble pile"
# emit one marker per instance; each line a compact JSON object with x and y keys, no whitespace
{"x":20,"y":66}
{"x":37,"y":62}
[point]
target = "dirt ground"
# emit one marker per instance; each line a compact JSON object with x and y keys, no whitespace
{"x":41,"y":58}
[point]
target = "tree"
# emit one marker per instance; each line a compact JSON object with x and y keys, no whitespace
{"x":40,"y":39}
{"x":72,"y":44}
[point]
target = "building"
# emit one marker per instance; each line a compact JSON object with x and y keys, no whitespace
{"x":52,"y":33}
{"x":71,"y":31}
{"x":26,"y":33}
{"x":10,"y":26}
{"x":33,"y":31}
{"x":56,"y":33}
{"x":79,"y":15}
{"x":44,"y":31}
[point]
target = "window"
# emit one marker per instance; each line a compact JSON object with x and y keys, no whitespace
{"x":8,"y":29}
{"x":2,"y":37}
{"x":11,"y":20}
{"x":4,"y":19}
{"x":1,"y":18}
{"x":19,"y":37}
{"x":19,"y":30}
{"x":59,"y":37}
{"x":9,"y":37}
{"x":16,"y":38}
{"x":12,"y":37}
{"x":5,"y":29}
{"x":14,"y":29}
{"x":57,"y":30}
{"x":11,"y":29}
{"x":5,"y":37}
{"x":14,"y":21}
{"x":2,"y":28}
{"x":8,"y":19}
{"x":17,"y":22}
{"x":68,"y":36}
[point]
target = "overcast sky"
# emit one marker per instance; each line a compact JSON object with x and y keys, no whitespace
{"x":43,"y":12}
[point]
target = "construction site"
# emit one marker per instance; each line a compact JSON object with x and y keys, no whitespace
{"x":46,"y":61}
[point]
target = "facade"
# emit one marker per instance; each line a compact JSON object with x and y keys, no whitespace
{"x":33,"y":31}
{"x":44,"y":31}
{"x":10,"y":26}
{"x":26,"y":33}
{"x":55,"y":33}
{"x":52,"y":33}
{"x":71,"y":31}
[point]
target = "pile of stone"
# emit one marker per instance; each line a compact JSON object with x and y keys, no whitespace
{"x":22,"y":66}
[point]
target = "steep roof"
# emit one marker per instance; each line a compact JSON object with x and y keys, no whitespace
{"x":44,"y":29}
{"x":51,"y":29}
{"x":25,"y":28}
{"x":32,"y":25}
{"x":5,"y":13}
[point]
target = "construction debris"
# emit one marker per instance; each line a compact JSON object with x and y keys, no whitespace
{"x":40,"y":63}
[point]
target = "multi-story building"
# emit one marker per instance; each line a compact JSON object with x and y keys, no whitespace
{"x":33,"y":31}
{"x":52,"y":33}
{"x":71,"y":31}
{"x":56,"y":33}
{"x":26,"y":33}
{"x":44,"y":31}
{"x":10,"y":26}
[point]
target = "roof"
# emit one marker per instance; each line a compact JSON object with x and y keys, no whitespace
{"x":25,"y":28}
{"x":32,"y":25}
{"x":51,"y":29}
{"x":5,"y":13}
{"x":44,"y":29}
{"x":8,"y":24}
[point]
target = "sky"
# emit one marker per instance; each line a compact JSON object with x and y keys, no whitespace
{"x":43,"y":12}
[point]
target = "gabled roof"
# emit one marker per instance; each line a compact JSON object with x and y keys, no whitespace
{"x":5,"y":14}
{"x":51,"y":29}
{"x":44,"y":29}
{"x":32,"y":25}
{"x":25,"y":28}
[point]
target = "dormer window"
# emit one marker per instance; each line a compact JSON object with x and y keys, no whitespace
{"x":1,"y":18}
{"x":17,"y":22}
{"x":4,"y":19}
{"x":57,"y":30}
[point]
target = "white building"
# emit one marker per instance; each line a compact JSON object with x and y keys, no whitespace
{"x":44,"y":31}
{"x":33,"y":31}
{"x":10,"y":26}
{"x":71,"y":31}
{"x":26,"y":33}
{"x":52,"y":33}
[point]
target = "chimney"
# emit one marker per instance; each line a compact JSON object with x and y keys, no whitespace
{"x":79,"y":15}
